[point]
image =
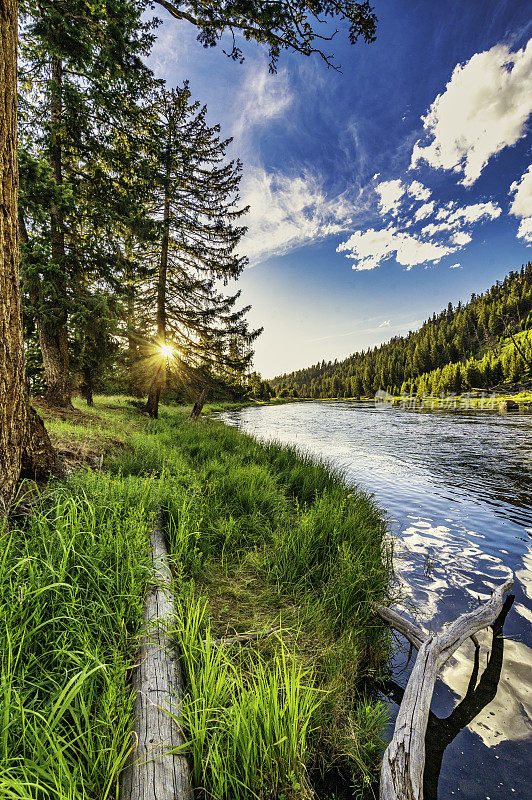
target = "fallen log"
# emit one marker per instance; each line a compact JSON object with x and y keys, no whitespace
{"x":404,"y":759}
{"x":154,"y":771}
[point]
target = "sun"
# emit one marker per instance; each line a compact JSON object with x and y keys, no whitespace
{"x":167,"y":351}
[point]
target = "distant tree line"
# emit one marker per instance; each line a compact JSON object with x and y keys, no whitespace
{"x":479,"y":345}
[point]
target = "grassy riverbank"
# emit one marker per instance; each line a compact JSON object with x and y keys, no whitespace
{"x":259,"y":538}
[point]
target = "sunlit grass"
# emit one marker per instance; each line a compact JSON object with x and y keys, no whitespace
{"x":259,"y":536}
{"x":72,"y":589}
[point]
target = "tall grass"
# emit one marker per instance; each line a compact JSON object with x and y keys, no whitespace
{"x":72,"y":591}
{"x":249,"y":719}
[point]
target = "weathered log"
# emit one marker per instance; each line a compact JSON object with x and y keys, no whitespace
{"x":243,"y":637}
{"x":404,"y":759}
{"x":154,"y":770}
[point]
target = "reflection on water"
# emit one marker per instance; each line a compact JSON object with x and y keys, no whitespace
{"x":457,"y":490}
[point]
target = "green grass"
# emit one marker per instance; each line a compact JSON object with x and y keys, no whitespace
{"x":72,"y":589}
{"x":259,"y":536}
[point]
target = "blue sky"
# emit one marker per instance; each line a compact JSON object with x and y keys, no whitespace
{"x":378,"y":194}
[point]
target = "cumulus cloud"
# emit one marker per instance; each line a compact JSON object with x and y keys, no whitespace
{"x":371,"y":247}
{"x":424,"y":211}
{"x":461,"y":238}
{"x":435,"y":240}
{"x":418,"y":191}
{"x":474,"y":213}
{"x":525,"y":229}
{"x":455,"y":266}
{"x":390,"y":194}
{"x":287,"y":212}
{"x":484,"y":108}
{"x":263,"y":97}
{"x":521,"y":206}
{"x":434,"y":230}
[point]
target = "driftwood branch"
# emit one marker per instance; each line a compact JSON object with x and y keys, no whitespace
{"x":243,"y":637}
{"x":154,"y":771}
{"x":404,"y":759}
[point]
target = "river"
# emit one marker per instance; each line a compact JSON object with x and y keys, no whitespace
{"x":457,"y":490}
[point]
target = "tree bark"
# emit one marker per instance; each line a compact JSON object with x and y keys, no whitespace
{"x":159,"y":381}
{"x":24,"y":445}
{"x":53,"y":334}
{"x":198,"y":405}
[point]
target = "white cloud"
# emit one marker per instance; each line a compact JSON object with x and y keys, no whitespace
{"x":461,"y":238}
{"x":424,"y":211}
{"x":484,"y":108}
{"x":433,"y":230}
{"x":390,"y":193}
{"x":288,"y":212}
{"x":385,"y":323}
{"x":525,"y":229}
{"x":418,"y":191}
{"x":445,"y":211}
{"x":474,"y":213}
{"x":521,"y":206}
{"x":263,"y":97}
{"x":455,"y":266}
{"x":371,"y":247}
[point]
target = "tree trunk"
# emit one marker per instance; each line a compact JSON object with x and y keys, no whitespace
{"x":53,"y":340}
{"x":86,"y":387}
{"x":159,"y":381}
{"x":198,"y":405}
{"x":53,"y":335}
{"x":24,"y":444}
{"x":152,"y":403}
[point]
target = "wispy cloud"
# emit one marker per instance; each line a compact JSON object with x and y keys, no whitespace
{"x":262,"y":98}
{"x":484,"y":108}
{"x":288,"y":211}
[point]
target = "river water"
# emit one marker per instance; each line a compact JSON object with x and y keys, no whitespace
{"x":457,"y":489}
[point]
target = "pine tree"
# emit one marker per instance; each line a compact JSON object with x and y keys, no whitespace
{"x":85,"y":81}
{"x":196,"y":197}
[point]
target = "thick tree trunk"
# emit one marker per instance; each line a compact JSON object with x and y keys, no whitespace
{"x":24,"y":445}
{"x":53,"y":335}
{"x":159,"y":381}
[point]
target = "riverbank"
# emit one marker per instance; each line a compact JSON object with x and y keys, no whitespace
{"x":260,"y":537}
{"x":456,"y":489}
{"x":482,"y":401}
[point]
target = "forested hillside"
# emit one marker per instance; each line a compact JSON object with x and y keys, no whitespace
{"x":482,"y":344}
